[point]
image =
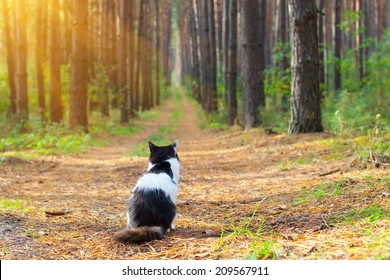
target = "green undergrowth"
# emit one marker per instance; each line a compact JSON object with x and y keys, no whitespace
{"x":10,"y":205}
{"x":46,"y":139}
{"x":371,"y":213}
{"x":244,"y":231}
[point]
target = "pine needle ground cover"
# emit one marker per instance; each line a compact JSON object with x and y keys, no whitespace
{"x":243,"y":195}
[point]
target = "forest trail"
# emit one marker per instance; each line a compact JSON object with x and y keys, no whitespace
{"x":243,"y":194}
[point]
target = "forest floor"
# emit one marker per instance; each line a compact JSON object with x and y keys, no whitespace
{"x":243,"y":195}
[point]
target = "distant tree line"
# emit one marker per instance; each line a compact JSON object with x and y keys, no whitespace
{"x":118,"y":51}
{"x":232,"y":42}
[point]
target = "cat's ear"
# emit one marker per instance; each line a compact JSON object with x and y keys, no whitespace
{"x":152,"y":147}
{"x":175,"y":145}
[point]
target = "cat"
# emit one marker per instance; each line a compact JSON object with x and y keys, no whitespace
{"x":152,"y":205}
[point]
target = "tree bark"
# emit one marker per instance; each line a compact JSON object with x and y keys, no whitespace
{"x":305,"y":94}
{"x":10,"y":56}
{"x":158,"y":51}
{"x":212,"y":104}
{"x":55,"y":64}
{"x":321,"y":42}
{"x":196,"y":86}
{"x":225,"y":34}
{"x":122,"y":61}
{"x":21,"y":60}
{"x":252,"y":64}
{"x":39,"y":59}
{"x":79,"y":66}
{"x":337,"y":46}
{"x":232,"y":63}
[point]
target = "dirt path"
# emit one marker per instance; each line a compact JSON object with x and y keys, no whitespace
{"x":225,"y":177}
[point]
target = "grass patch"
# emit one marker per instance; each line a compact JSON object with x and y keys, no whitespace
{"x":149,"y":115}
{"x":13,"y":205}
{"x":300,"y":161}
{"x":371,"y":212}
{"x":321,"y":191}
{"x":259,"y":247}
{"x":10,"y":204}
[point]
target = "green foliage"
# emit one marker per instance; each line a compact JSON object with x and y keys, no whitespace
{"x":40,"y":138}
{"x":321,"y":191}
{"x":372,"y":213}
{"x":9,"y":204}
{"x":277,"y":84}
{"x":260,"y":248}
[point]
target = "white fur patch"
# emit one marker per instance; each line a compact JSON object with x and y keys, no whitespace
{"x":162,"y":181}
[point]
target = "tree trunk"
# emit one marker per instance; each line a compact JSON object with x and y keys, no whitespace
{"x":10,"y":56}
{"x":195,"y":57}
{"x":305,"y":94}
{"x":21,"y":60}
{"x":67,"y":28}
{"x":225,"y":41}
{"x":55,"y":64}
{"x":79,"y":66}
{"x":321,"y":42}
{"x":232,"y":63}
{"x":337,"y":46}
{"x":158,"y":51}
{"x":104,"y":59}
{"x":252,"y":64}
{"x":140,"y":49}
{"x":39,"y":59}
{"x":122,"y":61}
{"x":212,"y":104}
{"x":359,"y":42}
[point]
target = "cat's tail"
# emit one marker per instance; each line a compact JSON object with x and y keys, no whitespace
{"x":139,"y":234}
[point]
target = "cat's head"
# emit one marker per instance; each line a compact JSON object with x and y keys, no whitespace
{"x":159,"y":154}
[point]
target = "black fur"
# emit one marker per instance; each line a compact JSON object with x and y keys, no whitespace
{"x":161,"y":154}
{"x":152,"y":208}
{"x":163,"y":167}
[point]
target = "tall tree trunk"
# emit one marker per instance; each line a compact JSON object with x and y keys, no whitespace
{"x":21,"y":60}
{"x":144,"y":54}
{"x":67,"y":28}
{"x":131,"y":57}
{"x":205,"y":43}
{"x":359,"y":41}
{"x":79,"y":65}
{"x":167,"y":40}
{"x":219,"y":13}
{"x":225,"y":44}
{"x":337,"y":46}
{"x":212,"y":104}
{"x":104,"y":58}
{"x":195,"y":49}
{"x":55,"y":64}
{"x":140,"y":50}
{"x":148,"y":56}
{"x":252,"y":64}
{"x":10,"y":56}
{"x":321,"y":42}
{"x":122,"y":61}
{"x":232,"y":64}
{"x":158,"y":51}
{"x":39,"y":59}
{"x":305,"y":93}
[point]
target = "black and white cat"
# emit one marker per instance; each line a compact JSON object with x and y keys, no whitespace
{"x":152,"y":206}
